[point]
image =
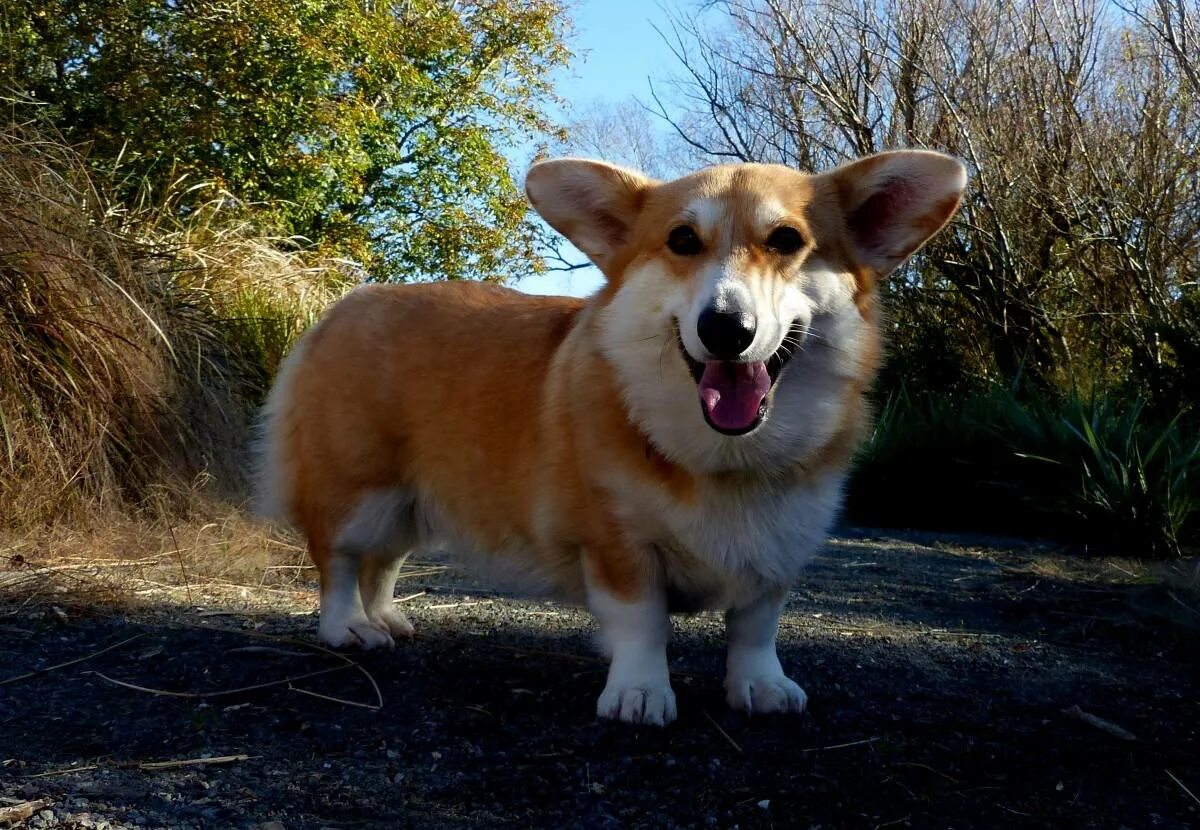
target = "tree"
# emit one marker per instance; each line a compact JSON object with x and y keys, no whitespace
{"x":1075,"y":256}
{"x":375,"y":129}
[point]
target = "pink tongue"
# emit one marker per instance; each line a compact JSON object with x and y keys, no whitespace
{"x":732,"y":393}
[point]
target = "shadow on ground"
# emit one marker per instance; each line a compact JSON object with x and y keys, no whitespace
{"x":938,"y":674}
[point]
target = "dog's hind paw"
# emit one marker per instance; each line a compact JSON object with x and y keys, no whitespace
{"x":394,"y":622}
{"x":354,"y":633}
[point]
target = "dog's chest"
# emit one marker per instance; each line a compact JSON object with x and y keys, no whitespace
{"x":729,"y":545}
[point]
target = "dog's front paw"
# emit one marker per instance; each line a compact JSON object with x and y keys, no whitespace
{"x":765,"y":694}
{"x":649,"y":703}
{"x":354,"y":633}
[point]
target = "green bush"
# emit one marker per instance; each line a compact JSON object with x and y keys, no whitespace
{"x":376,"y":130}
{"x":1099,"y":469}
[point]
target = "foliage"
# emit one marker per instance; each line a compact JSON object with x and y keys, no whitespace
{"x":372,"y":129}
{"x":1075,"y":256}
{"x":1115,"y":474}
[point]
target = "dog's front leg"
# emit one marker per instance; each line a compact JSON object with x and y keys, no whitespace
{"x":634,"y":629}
{"x":754,"y":679}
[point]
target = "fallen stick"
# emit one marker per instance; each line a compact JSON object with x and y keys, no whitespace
{"x":268,"y":650}
{"x":17,"y":813}
{"x":145,"y":766}
{"x":152,"y":766}
{"x":1100,"y":723}
{"x":254,"y":635}
{"x":841,"y":746}
{"x":333,"y":699}
{"x":57,"y":666}
{"x":1182,"y":786}
{"x":724,"y":734}
{"x":220,"y":692}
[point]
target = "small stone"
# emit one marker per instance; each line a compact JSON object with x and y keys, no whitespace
{"x":765,"y":803}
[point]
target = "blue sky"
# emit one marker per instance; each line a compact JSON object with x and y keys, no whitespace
{"x":616,"y":49}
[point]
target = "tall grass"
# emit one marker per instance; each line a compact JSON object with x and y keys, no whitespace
{"x":1101,"y":469}
{"x":134,"y":345}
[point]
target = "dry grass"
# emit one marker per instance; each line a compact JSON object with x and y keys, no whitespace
{"x":135,"y":345}
{"x":227,"y":561}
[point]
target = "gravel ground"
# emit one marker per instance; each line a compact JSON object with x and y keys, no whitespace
{"x":952,"y":683}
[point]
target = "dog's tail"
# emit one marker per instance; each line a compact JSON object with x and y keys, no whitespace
{"x":274,"y":472}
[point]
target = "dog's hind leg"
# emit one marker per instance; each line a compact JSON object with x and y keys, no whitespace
{"x":360,"y":576}
{"x":344,"y":622}
{"x":377,"y":584}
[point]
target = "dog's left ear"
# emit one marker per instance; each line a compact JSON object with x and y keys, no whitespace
{"x":591,"y":203}
{"x":893,"y":202}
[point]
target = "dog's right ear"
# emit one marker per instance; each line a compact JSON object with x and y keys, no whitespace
{"x":591,"y":203}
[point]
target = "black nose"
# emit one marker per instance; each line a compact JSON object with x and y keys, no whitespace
{"x":726,"y":334}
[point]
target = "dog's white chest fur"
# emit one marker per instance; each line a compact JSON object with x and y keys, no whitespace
{"x":731,"y":544}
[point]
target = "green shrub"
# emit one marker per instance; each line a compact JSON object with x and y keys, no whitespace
{"x":1100,"y":469}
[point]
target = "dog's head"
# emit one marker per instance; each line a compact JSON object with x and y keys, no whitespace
{"x":740,"y":307}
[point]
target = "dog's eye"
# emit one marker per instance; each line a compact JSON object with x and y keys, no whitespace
{"x":683,"y":241}
{"x":785,"y":240}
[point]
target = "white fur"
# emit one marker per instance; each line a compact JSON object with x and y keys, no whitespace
{"x":768,"y":212}
{"x":380,"y":519}
{"x":637,"y":335}
{"x":754,"y":679}
{"x":730,"y":545}
{"x":379,"y":600}
{"x":344,"y":620}
{"x":635,"y":635}
{"x":708,"y":215}
{"x":269,"y":472}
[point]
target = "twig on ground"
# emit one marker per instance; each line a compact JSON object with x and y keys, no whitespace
{"x":57,"y":666}
{"x":949,"y":778}
{"x":373,"y":707}
{"x":1182,"y":604}
{"x":724,"y":734}
{"x":347,"y":661}
{"x":220,"y":692}
{"x":1182,"y":786}
{"x":410,"y":596}
{"x":841,"y":746}
{"x":151,"y":766}
{"x":1100,"y":723}
{"x":67,"y":771}
{"x":425,"y":572}
{"x":283,"y":652}
{"x":460,"y":604}
{"x":80,"y":566}
{"x":17,"y":813}
{"x":146,"y":766}
{"x":255,"y":635}
{"x":187,"y":582}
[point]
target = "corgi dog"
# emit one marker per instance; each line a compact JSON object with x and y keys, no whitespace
{"x":677,"y":442}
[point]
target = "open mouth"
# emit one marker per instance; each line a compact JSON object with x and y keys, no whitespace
{"x":734,"y":395}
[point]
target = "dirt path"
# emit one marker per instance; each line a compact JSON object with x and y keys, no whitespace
{"x":941,"y":679}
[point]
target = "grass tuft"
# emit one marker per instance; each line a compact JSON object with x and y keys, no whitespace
{"x":135,"y":344}
{"x":1099,"y":469}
